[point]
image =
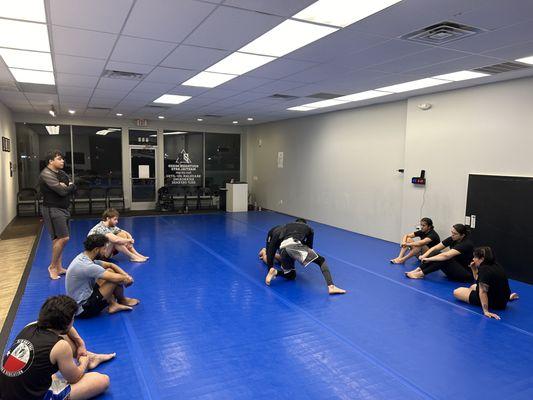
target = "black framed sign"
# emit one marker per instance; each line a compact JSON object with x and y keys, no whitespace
{"x":6,"y":144}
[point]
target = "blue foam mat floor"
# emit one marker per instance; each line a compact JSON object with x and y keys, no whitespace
{"x":209,"y":328}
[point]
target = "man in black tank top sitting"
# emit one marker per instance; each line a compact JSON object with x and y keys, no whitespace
{"x":295,"y":243}
{"x":45,"y":347}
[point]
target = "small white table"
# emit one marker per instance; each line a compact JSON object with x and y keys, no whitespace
{"x":237,"y":197}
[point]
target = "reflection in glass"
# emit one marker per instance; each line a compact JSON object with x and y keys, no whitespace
{"x":143,"y":175}
{"x":222,"y":159}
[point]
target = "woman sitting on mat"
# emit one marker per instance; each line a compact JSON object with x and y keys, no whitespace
{"x":428,"y":239}
{"x":454,"y":262}
{"x":491,"y":289}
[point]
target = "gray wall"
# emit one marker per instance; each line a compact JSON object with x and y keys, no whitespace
{"x":8,"y":184}
{"x":340,"y":166}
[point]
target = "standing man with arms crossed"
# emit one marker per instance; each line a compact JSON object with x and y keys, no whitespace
{"x":56,"y":190}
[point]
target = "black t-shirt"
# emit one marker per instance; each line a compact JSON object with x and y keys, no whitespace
{"x":495,"y":278}
{"x":465,"y":247}
{"x":272,"y":233}
{"x":432,"y":235}
{"x":26,"y":372}
{"x":54,"y":194}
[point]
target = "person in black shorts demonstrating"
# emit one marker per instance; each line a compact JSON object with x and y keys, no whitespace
{"x":295,"y":243}
{"x":29,"y":368}
{"x":56,"y":190}
{"x":491,"y":289}
{"x":428,"y":239}
{"x":96,"y":284}
{"x":454,"y":262}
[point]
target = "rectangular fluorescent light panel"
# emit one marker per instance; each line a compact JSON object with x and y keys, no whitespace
{"x":342,"y":12}
{"x":239,"y":63}
{"x":326,"y":103}
{"x":412,"y":85}
{"x":28,"y":10}
{"x":208,"y":79}
{"x":369,"y":94}
{"x":300,"y":108}
{"x":526,"y":60}
{"x":460,"y":76}
{"x":29,"y":76}
{"x":287,"y":37}
{"x":175,"y":133}
{"x":172,"y":99}
{"x":27,"y":59}
{"x":52,"y":129}
{"x":24,"y":35}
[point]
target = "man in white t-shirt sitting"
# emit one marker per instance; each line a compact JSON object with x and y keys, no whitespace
{"x":119,"y":239}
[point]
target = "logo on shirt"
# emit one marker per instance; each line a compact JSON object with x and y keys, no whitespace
{"x":18,"y":359}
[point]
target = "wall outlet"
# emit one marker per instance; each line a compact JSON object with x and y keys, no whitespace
{"x":255,"y":178}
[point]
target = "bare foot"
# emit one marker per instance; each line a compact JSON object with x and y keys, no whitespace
{"x":116,"y":307}
{"x":96,"y":359}
{"x":332,"y":289}
{"x":397,"y":260}
{"x":62,"y":271}
{"x":137,"y":259}
{"x":272,"y":272}
{"x":128,"y":301}
{"x":53,"y":273}
{"x":513,"y":296}
{"x":415,"y":274}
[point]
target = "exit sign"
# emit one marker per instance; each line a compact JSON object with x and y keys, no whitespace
{"x":141,"y":122}
{"x":418,"y":181}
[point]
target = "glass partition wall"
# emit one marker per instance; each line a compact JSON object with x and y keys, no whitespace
{"x":190,"y":161}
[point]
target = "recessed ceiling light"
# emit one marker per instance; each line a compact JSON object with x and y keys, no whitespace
{"x":300,"y":108}
{"x":119,"y":114}
{"x":287,"y":37}
{"x":412,"y":85}
{"x":72,"y":112}
{"x":460,"y":76}
{"x":239,"y":63}
{"x":342,"y":12}
{"x":24,"y":35}
{"x":27,"y":59}
{"x":199,"y":119}
{"x":53,"y":129}
{"x":208,"y":79}
{"x":369,"y":94}
{"x":28,"y":10}
{"x":172,"y":99}
{"x":161,"y":116}
{"x":250,"y":119}
{"x":326,"y":103}
{"x":29,"y":76}
{"x":52,"y":111}
{"x":526,"y":60}
{"x":235,"y":122}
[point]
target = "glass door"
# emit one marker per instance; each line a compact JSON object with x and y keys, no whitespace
{"x":143,"y":156}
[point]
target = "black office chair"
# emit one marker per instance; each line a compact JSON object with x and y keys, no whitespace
{"x":115,"y":195}
{"x":27,"y":197}
{"x":179,"y":197}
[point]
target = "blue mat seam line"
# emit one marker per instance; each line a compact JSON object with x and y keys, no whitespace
{"x":510,"y":326}
{"x":369,"y":357}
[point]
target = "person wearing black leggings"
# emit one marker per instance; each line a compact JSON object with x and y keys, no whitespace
{"x":294,"y":241}
{"x":454,"y":262}
{"x":492,"y":286}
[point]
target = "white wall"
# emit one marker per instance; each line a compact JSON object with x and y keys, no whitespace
{"x":340,"y":167}
{"x":8,"y":184}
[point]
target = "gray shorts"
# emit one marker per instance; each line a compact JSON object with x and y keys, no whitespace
{"x":57,"y":222}
{"x":296,"y":252}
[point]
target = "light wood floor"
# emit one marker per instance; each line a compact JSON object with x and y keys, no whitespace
{"x":15,"y":249}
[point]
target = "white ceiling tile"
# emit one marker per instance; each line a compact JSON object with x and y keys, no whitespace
{"x":495,"y":14}
{"x":277,"y":87}
{"x":78,"y":65}
{"x":76,"y":80}
{"x":96,"y":113}
{"x":230,"y":28}
{"x":167,"y":20}
{"x":218,"y":93}
{"x":96,"y":15}
{"x":242,"y":83}
{"x":169,"y":75}
{"x":513,"y":52}
{"x":42,"y":98}
{"x":154,"y":87}
{"x":469,"y":62}
{"x":193,"y":57}
{"x":188,"y":90}
{"x":284,"y":8}
{"x":12,"y":96}
{"x":281,"y":68}
{"x":129,"y":67}
{"x":135,"y":97}
{"x":74,"y":91}
{"x":141,"y":51}
{"x":109,"y":94}
{"x":103,"y":102}
{"x":319,"y":73}
{"x":117,"y":84}
{"x":77,"y":42}
{"x":419,"y":60}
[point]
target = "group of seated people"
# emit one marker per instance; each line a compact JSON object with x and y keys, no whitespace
{"x":29,"y":370}
{"x":461,"y":262}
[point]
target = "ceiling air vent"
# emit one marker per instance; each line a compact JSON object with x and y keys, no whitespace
{"x":212,"y":116}
{"x":109,"y":73}
{"x":324,"y":96}
{"x":99,"y":108}
{"x":441,"y":33}
{"x":37,"y":88}
{"x":503,"y":67}
{"x":157,"y":107}
{"x":282,"y":97}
